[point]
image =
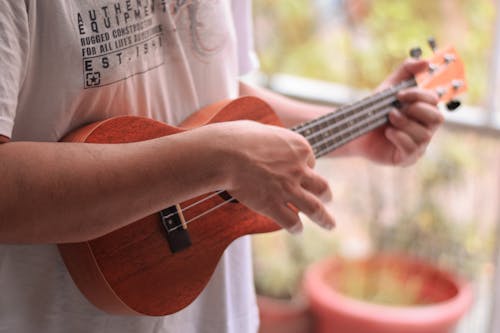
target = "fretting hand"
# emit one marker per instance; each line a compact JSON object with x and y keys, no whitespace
{"x":410,"y":127}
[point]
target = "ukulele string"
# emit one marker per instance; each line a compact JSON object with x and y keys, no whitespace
{"x":367,"y":105}
{"x":353,"y":119}
{"x":202,"y":214}
{"x":359,"y":126}
{"x":374,"y":124}
{"x":384,"y":99}
{"x":196,"y":203}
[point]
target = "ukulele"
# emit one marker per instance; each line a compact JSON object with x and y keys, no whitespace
{"x":160,"y":264}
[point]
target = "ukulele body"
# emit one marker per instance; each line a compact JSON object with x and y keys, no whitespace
{"x":133,"y":270}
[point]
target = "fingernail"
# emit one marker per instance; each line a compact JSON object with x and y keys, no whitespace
{"x":328,"y":226}
{"x":295,"y":229}
{"x":326,"y":196}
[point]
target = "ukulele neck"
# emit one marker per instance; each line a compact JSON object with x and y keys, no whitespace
{"x":348,"y":122}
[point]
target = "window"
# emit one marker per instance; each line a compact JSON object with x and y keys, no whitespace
{"x":445,"y":208}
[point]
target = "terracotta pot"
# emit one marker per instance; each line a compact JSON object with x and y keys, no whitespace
{"x":284,"y":316}
{"x":447,"y":298}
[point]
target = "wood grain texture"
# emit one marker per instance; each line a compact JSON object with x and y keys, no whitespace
{"x":132,"y":270}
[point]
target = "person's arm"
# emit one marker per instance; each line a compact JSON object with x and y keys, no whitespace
{"x":402,"y":142}
{"x":67,"y":192}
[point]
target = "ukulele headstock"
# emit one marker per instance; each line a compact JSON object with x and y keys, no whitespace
{"x":445,"y":75}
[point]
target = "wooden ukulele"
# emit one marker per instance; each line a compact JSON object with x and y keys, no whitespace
{"x":160,"y":264}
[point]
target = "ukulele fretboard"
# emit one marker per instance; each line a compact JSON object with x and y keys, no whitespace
{"x":348,"y":122}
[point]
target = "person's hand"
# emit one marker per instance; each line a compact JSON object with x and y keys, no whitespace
{"x":410,"y":127}
{"x":270,"y":170}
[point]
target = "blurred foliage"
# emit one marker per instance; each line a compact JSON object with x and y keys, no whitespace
{"x":358,"y":42}
{"x":385,"y":284}
{"x":280,"y":259}
{"x":426,"y":228}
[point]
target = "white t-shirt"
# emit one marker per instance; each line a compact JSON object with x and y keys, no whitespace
{"x":66,"y":63}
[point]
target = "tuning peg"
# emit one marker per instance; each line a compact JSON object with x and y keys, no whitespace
{"x":440,"y":91}
{"x":453,"y":105}
{"x":433,"y":68}
{"x":449,"y":58}
{"x":432,"y":43}
{"x":457,"y":84}
{"x":416,"y":52}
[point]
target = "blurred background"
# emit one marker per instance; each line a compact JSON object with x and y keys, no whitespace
{"x":445,"y":208}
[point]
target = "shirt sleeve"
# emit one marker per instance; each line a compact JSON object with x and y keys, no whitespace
{"x":242,"y":17}
{"x":14,"y":44}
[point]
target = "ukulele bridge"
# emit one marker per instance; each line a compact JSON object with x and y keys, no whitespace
{"x":176,"y":229}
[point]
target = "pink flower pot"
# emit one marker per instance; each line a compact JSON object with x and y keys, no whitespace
{"x":284,"y":316}
{"x":447,"y":298}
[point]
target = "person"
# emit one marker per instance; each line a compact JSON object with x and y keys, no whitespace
{"x":67,"y":63}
